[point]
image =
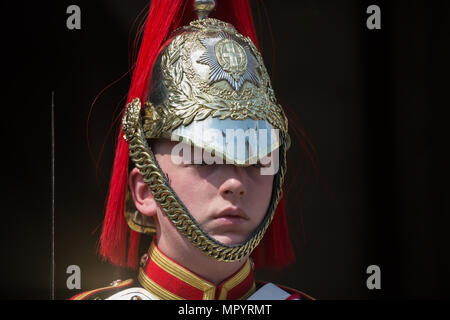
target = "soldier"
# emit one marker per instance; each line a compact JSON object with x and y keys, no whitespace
{"x":208,"y":145}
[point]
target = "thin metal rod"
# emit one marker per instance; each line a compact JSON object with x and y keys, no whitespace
{"x":52,"y":284}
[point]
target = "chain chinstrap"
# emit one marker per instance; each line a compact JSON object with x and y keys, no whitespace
{"x":144,"y":160}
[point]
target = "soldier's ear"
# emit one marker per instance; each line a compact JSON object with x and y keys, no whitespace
{"x":142,"y":196}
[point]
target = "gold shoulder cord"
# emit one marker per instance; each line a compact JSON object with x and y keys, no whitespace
{"x":172,"y":206}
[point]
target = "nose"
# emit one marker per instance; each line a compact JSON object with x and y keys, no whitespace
{"x":232,"y":189}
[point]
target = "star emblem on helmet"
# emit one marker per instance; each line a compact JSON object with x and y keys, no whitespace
{"x":229,"y":59}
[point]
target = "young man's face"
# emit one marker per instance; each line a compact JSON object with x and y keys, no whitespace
{"x":229,"y":202}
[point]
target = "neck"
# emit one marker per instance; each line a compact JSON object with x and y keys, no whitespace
{"x":184,"y":253}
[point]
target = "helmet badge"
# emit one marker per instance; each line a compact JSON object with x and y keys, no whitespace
{"x":229,"y":59}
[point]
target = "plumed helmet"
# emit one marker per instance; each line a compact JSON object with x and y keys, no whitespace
{"x":209,"y":89}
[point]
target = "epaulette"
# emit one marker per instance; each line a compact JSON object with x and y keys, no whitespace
{"x":105,"y":292}
{"x":269,"y":291}
{"x":296,"y":293}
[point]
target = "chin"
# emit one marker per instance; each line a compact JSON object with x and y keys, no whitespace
{"x":230,"y":239}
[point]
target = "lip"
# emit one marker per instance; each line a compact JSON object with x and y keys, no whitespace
{"x":231,"y":216}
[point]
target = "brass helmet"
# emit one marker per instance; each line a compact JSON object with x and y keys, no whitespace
{"x":209,"y":88}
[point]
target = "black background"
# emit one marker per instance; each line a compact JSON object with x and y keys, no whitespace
{"x":374,"y":103}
